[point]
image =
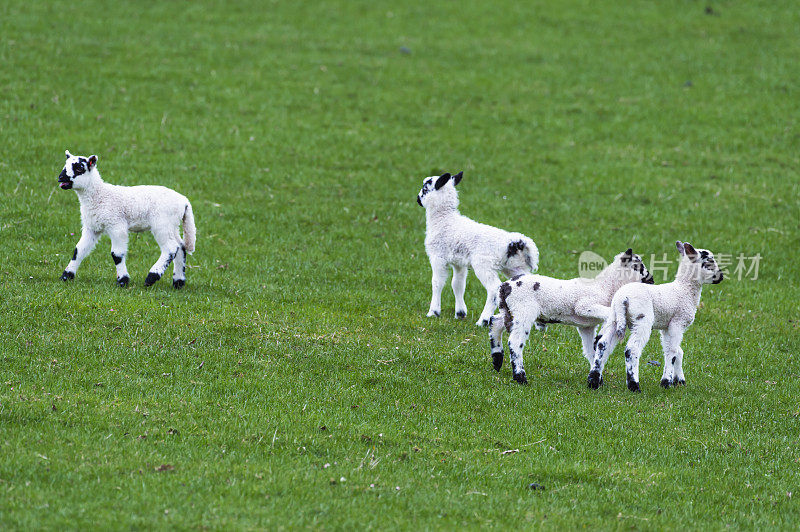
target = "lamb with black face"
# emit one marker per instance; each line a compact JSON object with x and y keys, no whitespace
{"x":75,"y":166}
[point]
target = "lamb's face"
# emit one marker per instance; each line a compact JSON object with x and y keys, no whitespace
{"x":75,"y":171}
{"x":438,"y":188}
{"x":701,"y":263}
{"x":634,"y":267}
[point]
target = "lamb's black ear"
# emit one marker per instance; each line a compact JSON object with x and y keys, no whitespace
{"x":691,"y":253}
{"x":457,"y":178}
{"x":92,"y":160}
{"x":627,"y":256}
{"x":442,"y":181}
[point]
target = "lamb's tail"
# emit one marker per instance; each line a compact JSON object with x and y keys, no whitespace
{"x":619,"y":311}
{"x":508,"y":318}
{"x":189,"y":230}
{"x":522,"y":255}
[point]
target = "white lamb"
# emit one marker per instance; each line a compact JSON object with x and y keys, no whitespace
{"x":669,"y":307}
{"x":529,"y":300}
{"x":115,"y":210}
{"x":453,"y":240}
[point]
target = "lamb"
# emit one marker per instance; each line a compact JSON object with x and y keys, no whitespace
{"x":453,"y":240}
{"x":669,"y":307}
{"x":528,"y":300}
{"x":116,"y":210}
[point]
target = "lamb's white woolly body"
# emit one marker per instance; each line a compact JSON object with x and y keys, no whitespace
{"x":669,"y":307}
{"x":530,"y":300}
{"x":453,"y":240}
{"x":116,"y":210}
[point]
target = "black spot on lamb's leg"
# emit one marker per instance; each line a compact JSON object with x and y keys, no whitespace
{"x":673,"y":359}
{"x":497,"y":360}
{"x":632,"y":384}
{"x":75,"y":254}
{"x":627,"y":354}
{"x":152,"y":277}
{"x":178,"y":284}
{"x":516,"y":366}
{"x":123,"y":281}
{"x":596,"y":339}
{"x":640,"y":316}
{"x":116,"y":258}
{"x":67,"y":276}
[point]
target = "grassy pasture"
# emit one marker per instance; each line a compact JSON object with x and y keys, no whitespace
{"x":295,"y":382}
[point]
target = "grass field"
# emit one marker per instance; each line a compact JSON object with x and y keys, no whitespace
{"x":295,"y":382}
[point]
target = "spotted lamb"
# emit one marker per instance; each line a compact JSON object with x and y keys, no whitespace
{"x":116,"y":210}
{"x":529,"y":300}
{"x":669,"y":307}
{"x":453,"y":240}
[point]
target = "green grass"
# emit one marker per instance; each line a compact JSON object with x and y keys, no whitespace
{"x":301,"y":133}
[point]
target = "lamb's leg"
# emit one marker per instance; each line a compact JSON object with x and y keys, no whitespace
{"x":604,"y":347}
{"x":491,"y":281}
{"x":82,"y":248}
{"x":516,"y":343}
{"x":169,"y":249}
{"x":496,"y":328}
{"x":438,"y":279}
{"x":587,"y":338}
{"x":640,"y":334}
{"x":673,"y":357}
{"x":179,"y":269}
{"x":119,"y":252}
{"x":459,"y":285}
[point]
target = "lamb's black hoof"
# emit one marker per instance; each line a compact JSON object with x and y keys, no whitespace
{"x":594,"y":380}
{"x":482,"y":323}
{"x":67,"y":276}
{"x":497,"y":361}
{"x":151,"y":278}
{"x":666,"y":383}
{"x":634,"y":386}
{"x":520,"y":377}
{"x":678,"y":382}
{"x":177,"y":284}
{"x":461,"y":314}
{"x":433,"y":314}
{"x":123,"y":281}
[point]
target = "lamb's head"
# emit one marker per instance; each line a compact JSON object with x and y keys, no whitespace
{"x":78,"y":171}
{"x":698,"y":264}
{"x":438,"y":192}
{"x":629,"y":267}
